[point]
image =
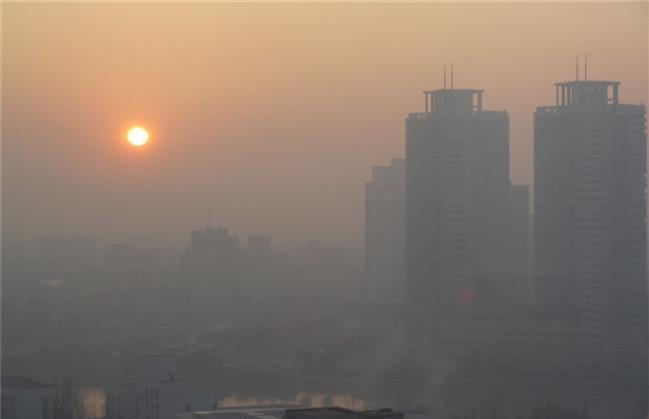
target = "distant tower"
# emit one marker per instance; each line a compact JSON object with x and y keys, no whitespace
{"x":384,"y":232}
{"x":457,"y":191}
{"x":589,"y":215}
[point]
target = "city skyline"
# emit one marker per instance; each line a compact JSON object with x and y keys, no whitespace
{"x":245,"y":209}
{"x":307,"y":128}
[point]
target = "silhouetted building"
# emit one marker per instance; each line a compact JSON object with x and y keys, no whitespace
{"x":385,"y":232}
{"x":457,"y":193}
{"x":212,"y":253}
{"x":589,"y":214}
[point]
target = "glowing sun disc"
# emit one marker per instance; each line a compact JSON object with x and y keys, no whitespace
{"x":137,"y":136}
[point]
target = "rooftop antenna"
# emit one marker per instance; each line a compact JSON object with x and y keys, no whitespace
{"x":585,"y":67}
{"x":209,"y":215}
{"x":577,"y":68}
{"x":451,"y":76}
{"x":444,"y":76}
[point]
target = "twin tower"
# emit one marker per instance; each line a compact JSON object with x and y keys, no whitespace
{"x":589,"y":230}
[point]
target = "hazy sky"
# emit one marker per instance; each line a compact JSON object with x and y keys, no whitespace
{"x":274,"y":113}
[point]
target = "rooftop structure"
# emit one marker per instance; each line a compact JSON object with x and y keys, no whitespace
{"x":579,"y":93}
{"x":459,"y":100}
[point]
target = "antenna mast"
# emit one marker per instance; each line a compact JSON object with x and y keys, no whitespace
{"x":444,"y":76}
{"x":577,"y":68}
{"x":585,"y":67}
{"x":451,"y":76}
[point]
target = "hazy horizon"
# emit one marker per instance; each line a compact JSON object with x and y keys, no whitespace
{"x":273,"y":113}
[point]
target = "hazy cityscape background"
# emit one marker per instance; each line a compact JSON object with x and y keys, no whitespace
{"x":305,"y":227}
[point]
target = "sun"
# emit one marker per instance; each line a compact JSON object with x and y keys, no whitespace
{"x":138,"y":136}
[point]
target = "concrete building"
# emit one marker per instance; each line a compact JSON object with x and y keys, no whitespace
{"x":589,"y":215}
{"x":457,"y":192}
{"x":24,"y":398}
{"x":385,"y":232}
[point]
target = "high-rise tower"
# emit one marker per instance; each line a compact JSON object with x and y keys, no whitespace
{"x":457,"y":188}
{"x":384,"y":232}
{"x":589,"y":215}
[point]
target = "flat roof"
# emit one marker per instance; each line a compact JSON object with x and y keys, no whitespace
{"x":455,"y":90}
{"x":573,"y":82}
{"x":22,"y":383}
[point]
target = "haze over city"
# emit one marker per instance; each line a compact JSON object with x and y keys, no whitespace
{"x":324,"y":210}
{"x":273,"y":113}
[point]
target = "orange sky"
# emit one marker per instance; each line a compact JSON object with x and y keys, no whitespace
{"x":274,"y":113}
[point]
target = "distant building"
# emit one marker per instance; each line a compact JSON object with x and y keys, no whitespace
{"x":24,"y":398}
{"x":212,"y":253}
{"x":385,"y":232}
{"x":589,"y":214}
{"x":457,"y":194}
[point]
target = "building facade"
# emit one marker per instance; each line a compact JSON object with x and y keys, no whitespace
{"x":457,"y":194}
{"x":385,"y":232}
{"x":589,"y":215}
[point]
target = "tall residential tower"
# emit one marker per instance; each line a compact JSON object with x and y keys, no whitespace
{"x":589,"y":214}
{"x":457,"y":197}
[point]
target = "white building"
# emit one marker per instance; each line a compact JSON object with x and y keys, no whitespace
{"x":24,"y":398}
